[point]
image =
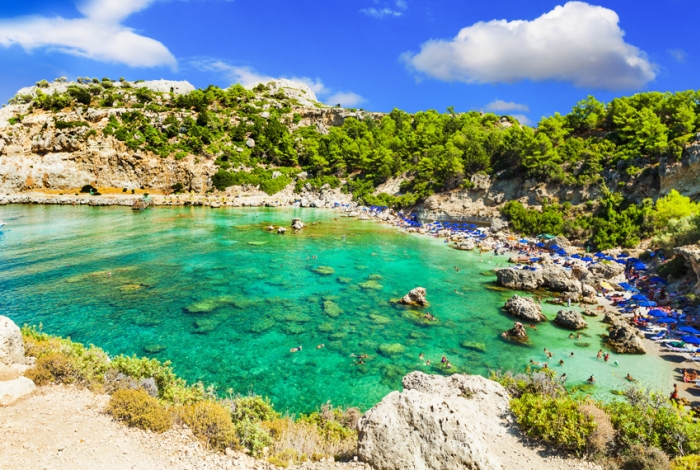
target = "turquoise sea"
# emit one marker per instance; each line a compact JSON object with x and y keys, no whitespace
{"x":225,"y":301}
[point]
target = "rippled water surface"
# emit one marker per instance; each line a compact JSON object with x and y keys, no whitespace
{"x":225,"y":301}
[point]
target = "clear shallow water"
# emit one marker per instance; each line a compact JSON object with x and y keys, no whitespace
{"x":186,"y":285}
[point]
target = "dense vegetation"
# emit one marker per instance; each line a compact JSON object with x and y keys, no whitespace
{"x":641,"y":431}
{"x":146,"y":393}
{"x":256,"y":137}
{"x":611,"y":221}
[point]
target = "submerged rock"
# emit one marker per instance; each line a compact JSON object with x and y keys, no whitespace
{"x":435,"y":423}
{"x":390,"y":350}
{"x":624,"y":339}
{"x":525,"y":308}
{"x":415,"y":297}
{"x":332,"y":309}
{"x":570,"y":319}
{"x":371,"y":285}
{"x":324,"y":270}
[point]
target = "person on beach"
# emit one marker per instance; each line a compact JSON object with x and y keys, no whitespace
{"x":295,"y":349}
{"x":674,"y":393}
{"x":606,"y":357}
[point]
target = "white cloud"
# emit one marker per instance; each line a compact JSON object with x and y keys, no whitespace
{"x":679,"y":55}
{"x":347,"y":99}
{"x":99,"y":35}
{"x":503,"y":106}
{"x":577,"y":43}
{"x":398,"y":9}
{"x":249,"y":77}
{"x":522,"y":119}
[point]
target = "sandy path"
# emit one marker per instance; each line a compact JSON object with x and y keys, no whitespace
{"x":59,"y":428}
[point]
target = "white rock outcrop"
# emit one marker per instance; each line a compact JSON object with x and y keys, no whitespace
{"x":11,"y":343}
{"x":13,"y":390}
{"x":436,"y":423}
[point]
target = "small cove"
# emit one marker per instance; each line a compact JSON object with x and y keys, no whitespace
{"x":225,"y":301}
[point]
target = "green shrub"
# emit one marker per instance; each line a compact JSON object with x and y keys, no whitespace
{"x":689,"y":462}
{"x":252,"y":408}
{"x":675,"y":267}
{"x":211,"y":423}
{"x":70,"y":124}
{"x":556,"y":421}
{"x":138,"y":409}
{"x":252,"y":435}
{"x":63,"y":361}
{"x":648,"y":419}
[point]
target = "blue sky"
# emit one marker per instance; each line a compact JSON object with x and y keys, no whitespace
{"x":514,"y":57}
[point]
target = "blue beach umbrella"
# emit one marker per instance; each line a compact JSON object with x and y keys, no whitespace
{"x":620,"y":261}
{"x":522,"y":240}
{"x":640,"y":266}
{"x":622,"y":255}
{"x":539,"y":245}
{"x":657,"y":313}
{"x":639,"y":297}
{"x":689,"y":329}
{"x":647,"y":303}
{"x":666,"y":320}
{"x":587,"y":259}
{"x":658,"y":280}
{"x":690,"y":339}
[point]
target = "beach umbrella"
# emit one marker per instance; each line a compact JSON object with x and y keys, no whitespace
{"x":577,"y":256}
{"x":555,"y":247}
{"x":639,"y":297}
{"x":657,"y":313}
{"x":640,"y":266}
{"x":539,"y":245}
{"x":658,"y":280}
{"x":689,"y":329}
{"x":647,"y":303}
{"x":622,"y":255}
{"x":666,"y":320}
{"x":522,"y":240}
{"x":690,"y":339}
{"x":620,"y":261}
{"x":587,"y":259}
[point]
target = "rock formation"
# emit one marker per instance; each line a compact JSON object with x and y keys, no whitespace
{"x":519,"y":279}
{"x":13,"y":363}
{"x":416,"y":297}
{"x":691,"y":253}
{"x":570,"y":319}
{"x":435,"y":423}
{"x":297,"y":224}
{"x":625,"y":339}
{"x":525,"y":308}
{"x":517,"y":333}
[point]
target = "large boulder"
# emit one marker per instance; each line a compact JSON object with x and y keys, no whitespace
{"x":519,"y":279}
{"x":570,"y":319}
{"x":436,"y":423}
{"x":416,"y":297}
{"x":11,"y":343}
{"x":613,"y":272}
{"x":525,"y":308}
{"x":624,"y":339}
{"x":13,"y":390}
{"x":558,"y":279}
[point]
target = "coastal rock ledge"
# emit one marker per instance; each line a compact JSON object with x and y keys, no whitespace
{"x":525,"y":308}
{"x":570,"y":319}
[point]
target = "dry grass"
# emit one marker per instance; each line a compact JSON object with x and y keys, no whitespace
{"x":603,"y":436}
{"x":138,"y":409}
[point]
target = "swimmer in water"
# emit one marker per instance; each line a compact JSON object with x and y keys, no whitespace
{"x":590,"y":380}
{"x":532,"y":326}
{"x":427,"y":363}
{"x":571,"y":336}
{"x":549,"y":354}
{"x":600,"y":354}
{"x":320,"y":346}
{"x":295,"y":349}
{"x":421,"y":356}
{"x":578,"y":335}
{"x":630,"y":378}
{"x":572,"y":354}
{"x":561,"y":362}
